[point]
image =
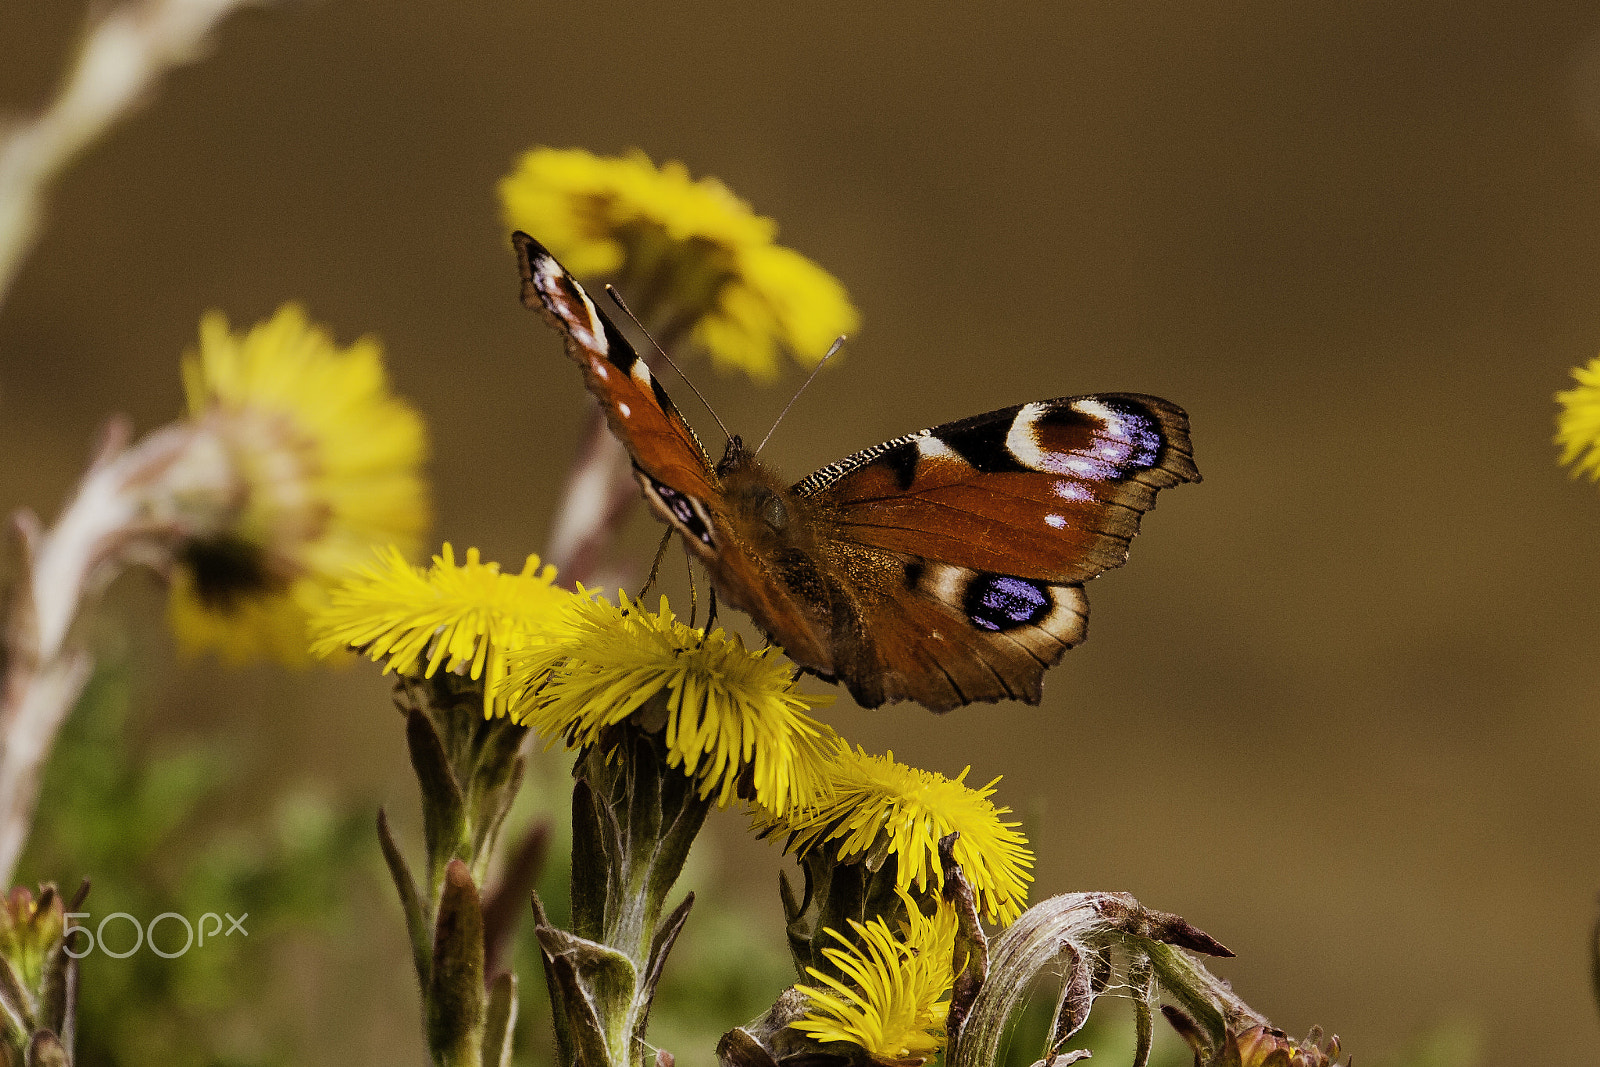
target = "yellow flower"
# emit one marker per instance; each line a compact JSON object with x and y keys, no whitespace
{"x":1578,"y":423}
{"x":898,"y":996}
{"x":322,"y":462}
{"x":688,"y":254}
{"x":465,"y":617}
{"x":874,"y":805}
{"x":729,"y":716}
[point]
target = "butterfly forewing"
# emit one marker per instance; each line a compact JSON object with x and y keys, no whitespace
{"x":678,"y":480}
{"x":1051,"y":490}
{"x":638,"y":410}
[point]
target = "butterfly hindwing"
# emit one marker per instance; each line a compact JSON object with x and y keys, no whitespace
{"x":951,"y":636}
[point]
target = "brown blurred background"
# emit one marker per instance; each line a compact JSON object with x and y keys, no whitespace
{"x":1342,"y":709}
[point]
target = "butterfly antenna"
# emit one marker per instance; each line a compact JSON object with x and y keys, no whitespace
{"x":616,"y":298}
{"x":838,"y":343}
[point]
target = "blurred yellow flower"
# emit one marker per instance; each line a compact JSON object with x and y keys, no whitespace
{"x":322,"y":463}
{"x":730,"y":717}
{"x":873,"y":805}
{"x":1578,"y":422}
{"x":898,"y":995}
{"x":465,"y":617}
{"x":688,"y":255}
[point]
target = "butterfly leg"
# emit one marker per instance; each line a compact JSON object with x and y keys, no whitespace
{"x":694,"y":593}
{"x":655,"y":567}
{"x":711,"y":615}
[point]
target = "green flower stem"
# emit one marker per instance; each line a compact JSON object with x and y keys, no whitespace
{"x":633,"y":821}
{"x":835,"y":894}
{"x":657,"y":815}
{"x":468,"y":772}
{"x":456,"y":998}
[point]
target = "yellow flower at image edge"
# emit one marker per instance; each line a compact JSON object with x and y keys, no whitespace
{"x":465,"y":617}
{"x":898,"y":995}
{"x":726,"y":714}
{"x":1578,"y":422}
{"x":689,"y":254}
{"x":325,"y":463}
{"x":873,"y":802}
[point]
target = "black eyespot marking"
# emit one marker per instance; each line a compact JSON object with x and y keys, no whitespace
{"x":683,"y":510}
{"x":914,"y":571}
{"x":902,"y":463}
{"x":662,"y":399}
{"x":618,"y":351}
{"x":981,"y":441}
{"x":999,"y":602}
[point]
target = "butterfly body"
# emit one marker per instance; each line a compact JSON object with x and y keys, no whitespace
{"x":945,"y":566}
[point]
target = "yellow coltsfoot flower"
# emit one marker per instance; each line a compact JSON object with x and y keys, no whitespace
{"x":688,"y":255}
{"x":465,"y":617}
{"x":897,"y":996}
{"x":1578,"y":422}
{"x":302,"y":461}
{"x":730,"y":718}
{"x":874,"y":806}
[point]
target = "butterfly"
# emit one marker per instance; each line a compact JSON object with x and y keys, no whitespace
{"x":944,"y":567}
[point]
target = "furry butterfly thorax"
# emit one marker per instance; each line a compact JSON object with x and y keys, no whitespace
{"x":945,"y":566}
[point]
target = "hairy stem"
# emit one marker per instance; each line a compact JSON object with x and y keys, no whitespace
{"x":119,"y":514}
{"x":124,"y":53}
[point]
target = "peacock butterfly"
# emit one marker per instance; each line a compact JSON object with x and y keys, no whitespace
{"x":945,"y":566}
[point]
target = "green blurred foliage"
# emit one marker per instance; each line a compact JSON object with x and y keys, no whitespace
{"x":135,"y":822}
{"x":1453,"y":1044}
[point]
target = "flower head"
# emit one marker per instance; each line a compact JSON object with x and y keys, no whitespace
{"x":465,"y":617}
{"x":1578,"y":422}
{"x":873,"y":804}
{"x":728,"y":716}
{"x":321,"y":462}
{"x":690,"y":254}
{"x":30,"y":927}
{"x":898,"y":995}
{"x":1262,"y":1046}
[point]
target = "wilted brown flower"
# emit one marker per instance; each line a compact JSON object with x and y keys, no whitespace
{"x":1258,"y":1046}
{"x":1263,"y":1046}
